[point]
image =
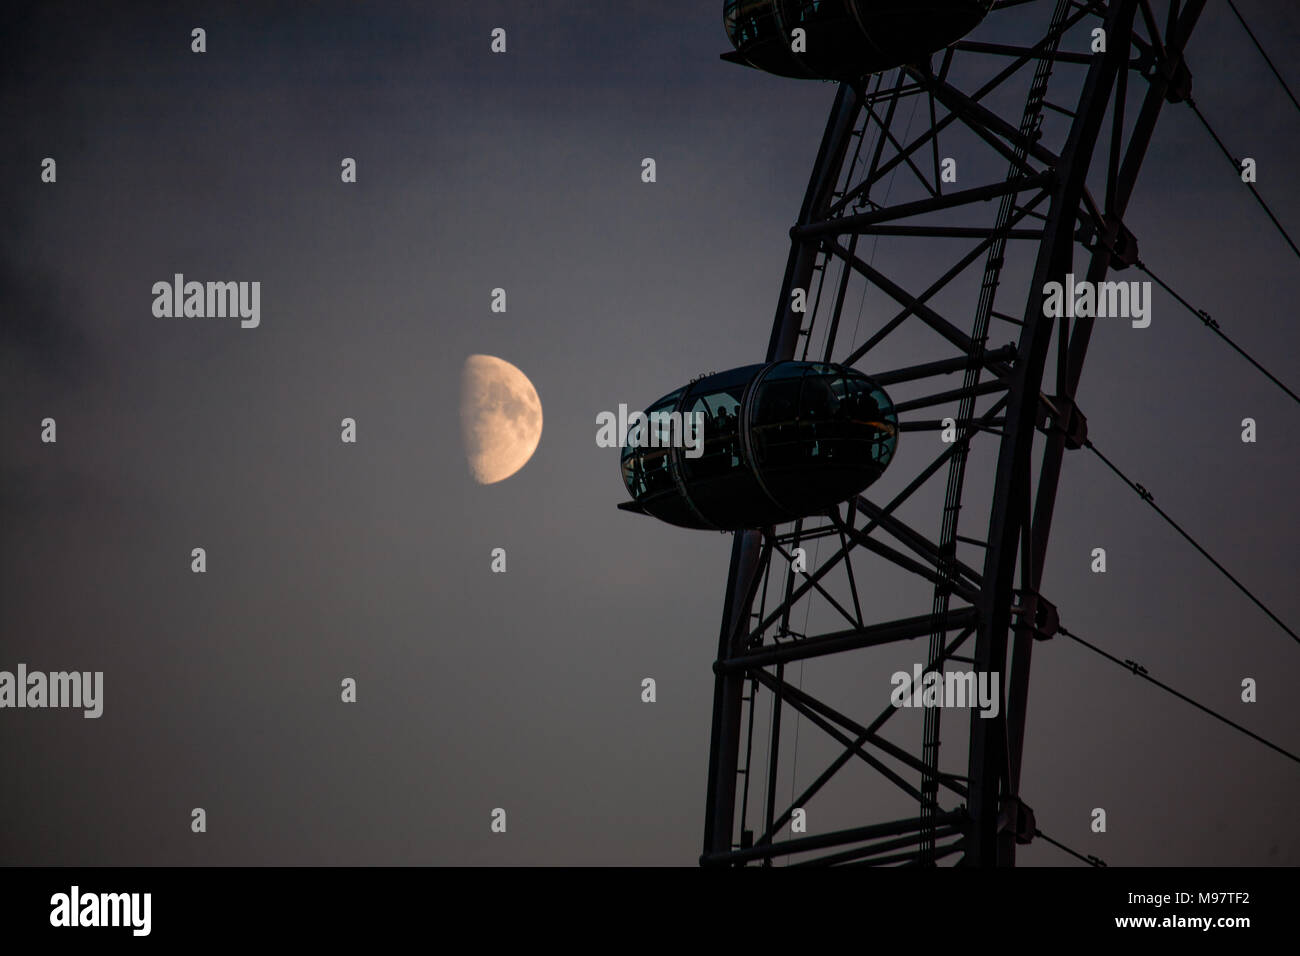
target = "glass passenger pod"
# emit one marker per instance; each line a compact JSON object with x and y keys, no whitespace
{"x":819,"y":434}
{"x":720,"y":482}
{"x":845,"y":39}
{"x":776,"y":442}
{"x":649,"y":471}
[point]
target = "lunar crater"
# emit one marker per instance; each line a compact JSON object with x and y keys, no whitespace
{"x":500,"y":416}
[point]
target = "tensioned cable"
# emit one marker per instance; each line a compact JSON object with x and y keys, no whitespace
{"x":1213,"y":326}
{"x":794,"y":761}
{"x":1258,"y":46}
{"x":1090,"y":860}
{"x":1138,"y":670}
{"x":1150,"y":499}
{"x":1236,"y":165}
{"x":871,"y":259}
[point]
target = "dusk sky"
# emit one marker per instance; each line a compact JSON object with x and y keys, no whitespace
{"x":522,"y":690}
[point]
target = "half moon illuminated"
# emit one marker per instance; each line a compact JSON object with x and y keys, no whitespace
{"x":500,"y":418}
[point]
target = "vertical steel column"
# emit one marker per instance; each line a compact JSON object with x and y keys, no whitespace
{"x":990,"y":751}
{"x":1050,"y":470}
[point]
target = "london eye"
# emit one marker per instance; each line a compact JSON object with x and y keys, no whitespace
{"x":998,"y":144}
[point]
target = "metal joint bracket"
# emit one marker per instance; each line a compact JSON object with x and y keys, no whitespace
{"x":1179,"y":78}
{"x":1038,"y":614}
{"x":1017,"y":816}
{"x":1112,"y":235}
{"x":1061,"y":414}
{"x":1172,"y":69}
{"x":1122,"y":244}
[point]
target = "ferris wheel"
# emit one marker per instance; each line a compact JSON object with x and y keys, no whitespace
{"x":907,"y":430}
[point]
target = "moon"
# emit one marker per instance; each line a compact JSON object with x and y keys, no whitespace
{"x":500,"y":418}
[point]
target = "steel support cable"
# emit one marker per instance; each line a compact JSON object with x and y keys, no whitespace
{"x":826,"y":345}
{"x":1150,"y":499}
{"x":1251,"y":33}
{"x":1140,"y":671}
{"x":794,"y":760}
{"x":879,"y":131}
{"x":1236,"y":165}
{"x":1213,"y":326}
{"x":1090,"y":860}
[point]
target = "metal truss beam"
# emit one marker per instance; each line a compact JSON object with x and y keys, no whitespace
{"x":835,"y":642}
{"x":855,"y":223}
{"x":822,"y":840}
